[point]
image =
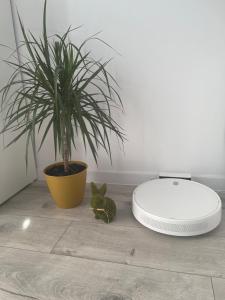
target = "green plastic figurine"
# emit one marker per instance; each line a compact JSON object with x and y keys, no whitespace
{"x":103,"y":207}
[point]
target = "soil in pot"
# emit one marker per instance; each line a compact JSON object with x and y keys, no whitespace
{"x":59,"y":170}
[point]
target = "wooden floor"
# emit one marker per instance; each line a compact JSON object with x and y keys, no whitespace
{"x":47,"y":253}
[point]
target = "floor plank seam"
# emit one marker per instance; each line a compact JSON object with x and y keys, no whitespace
{"x":64,"y":232}
{"x":30,"y":250}
{"x":73,"y":220}
{"x":137,"y":266}
{"x":214,"y":296}
{"x":18,"y":294}
{"x":111,"y":224}
{"x":113,"y":262}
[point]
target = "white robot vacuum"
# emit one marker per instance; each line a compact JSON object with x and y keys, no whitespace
{"x":177,"y":206}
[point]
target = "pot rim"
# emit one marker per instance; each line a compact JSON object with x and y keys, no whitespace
{"x":61,"y":163}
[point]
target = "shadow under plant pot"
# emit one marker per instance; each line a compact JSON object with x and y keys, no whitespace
{"x":67,"y":190}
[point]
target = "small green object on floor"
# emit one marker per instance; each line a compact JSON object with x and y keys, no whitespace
{"x":104,"y":208}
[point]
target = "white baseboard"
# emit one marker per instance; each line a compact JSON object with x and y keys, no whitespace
{"x":134,"y":178}
{"x":123,"y":178}
{"x":217,"y":183}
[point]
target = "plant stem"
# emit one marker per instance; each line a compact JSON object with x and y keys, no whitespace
{"x":65,"y":154}
{"x":66,"y":157}
{"x":65,"y":148}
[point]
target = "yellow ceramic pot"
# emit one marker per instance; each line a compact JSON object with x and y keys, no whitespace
{"x":67,"y":191}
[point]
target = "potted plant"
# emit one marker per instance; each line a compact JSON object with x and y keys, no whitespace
{"x":60,"y":88}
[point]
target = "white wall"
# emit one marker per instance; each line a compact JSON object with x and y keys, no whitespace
{"x":172,"y":75}
{"x":13,"y":173}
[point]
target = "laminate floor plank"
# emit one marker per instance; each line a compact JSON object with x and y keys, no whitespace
{"x":47,"y":253}
{"x":31,"y":233}
{"x":140,"y":246}
{"x":219,"y":288}
{"x":36,"y":201}
{"x":51,"y":277}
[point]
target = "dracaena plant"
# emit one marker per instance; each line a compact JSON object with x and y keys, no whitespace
{"x":59,"y":87}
